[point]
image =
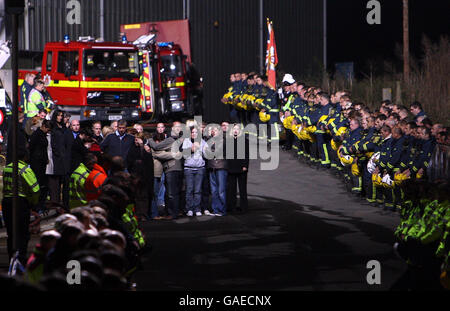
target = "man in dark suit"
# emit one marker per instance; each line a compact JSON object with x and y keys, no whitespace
{"x":119,"y":143}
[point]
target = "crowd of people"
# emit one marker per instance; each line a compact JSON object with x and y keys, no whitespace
{"x":104,"y":182}
{"x":379,"y":154}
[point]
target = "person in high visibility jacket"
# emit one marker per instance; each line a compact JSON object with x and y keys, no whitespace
{"x":25,"y":89}
{"x":131,"y":222}
{"x":94,"y":182}
{"x":28,"y":192}
{"x":77,"y":190}
{"x":35,"y":100}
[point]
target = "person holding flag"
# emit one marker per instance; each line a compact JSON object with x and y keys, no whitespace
{"x":269,"y":113}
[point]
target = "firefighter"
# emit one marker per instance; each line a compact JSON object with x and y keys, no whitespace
{"x":28,"y":196}
{"x":321,"y":136}
{"x":353,"y":181}
{"x":381,"y":171}
{"x":296,"y":109}
{"x":288,"y":98}
{"x":228,"y":97}
{"x":259,"y":93}
{"x":367,"y":146}
{"x":269,"y":114}
{"x":422,"y":161}
{"x":77,"y":189}
{"x":309,"y":120}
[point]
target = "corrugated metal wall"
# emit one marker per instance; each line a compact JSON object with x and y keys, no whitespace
{"x":230,"y":47}
{"x":47,"y":18}
{"x":218,"y":50}
{"x":47,"y":22}
{"x":118,"y":12}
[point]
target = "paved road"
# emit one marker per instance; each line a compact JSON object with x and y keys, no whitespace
{"x":302,"y":232}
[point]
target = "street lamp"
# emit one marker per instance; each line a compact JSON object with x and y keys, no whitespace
{"x":15,"y":8}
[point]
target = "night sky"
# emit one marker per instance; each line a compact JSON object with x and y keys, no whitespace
{"x":351,"y":38}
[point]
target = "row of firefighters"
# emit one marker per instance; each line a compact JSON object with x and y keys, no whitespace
{"x":371,"y":152}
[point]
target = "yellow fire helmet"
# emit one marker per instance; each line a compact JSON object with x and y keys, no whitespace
{"x":342,"y":130}
{"x":227,"y":97}
{"x":307,"y":136}
{"x":323,"y":119}
{"x":399,"y":178}
{"x":334,"y":145}
{"x":239,"y":105}
{"x":355,"y":170}
{"x":346,"y":160}
{"x":376,"y":180}
{"x":287,"y":122}
{"x":311,"y":129}
{"x":264,"y":117}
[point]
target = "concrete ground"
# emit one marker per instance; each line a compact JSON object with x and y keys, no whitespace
{"x":302,"y":232}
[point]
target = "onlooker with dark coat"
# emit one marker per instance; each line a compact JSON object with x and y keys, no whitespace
{"x":118,"y":144}
{"x":140,"y":166}
{"x":158,"y":204}
{"x":57,"y":153}
{"x":22,"y":139}
{"x":238,"y":170}
{"x":70,"y":135}
{"x":71,"y":131}
{"x":39,"y":159}
{"x":97,"y":132}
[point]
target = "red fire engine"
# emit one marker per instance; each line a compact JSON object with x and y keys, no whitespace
{"x":95,"y":80}
{"x":170,"y":85}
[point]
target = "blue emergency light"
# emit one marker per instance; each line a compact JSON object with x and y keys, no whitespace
{"x":124,"y":40}
{"x":162,"y":44}
{"x":66,"y":39}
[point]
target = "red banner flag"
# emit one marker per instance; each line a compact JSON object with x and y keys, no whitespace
{"x":271,"y":55}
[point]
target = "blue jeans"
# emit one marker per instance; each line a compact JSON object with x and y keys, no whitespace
{"x":194,"y":181}
{"x":218,"y":181}
{"x":159,"y":191}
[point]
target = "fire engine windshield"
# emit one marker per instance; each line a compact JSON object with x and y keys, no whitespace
{"x":110,"y":63}
{"x":171,"y":66}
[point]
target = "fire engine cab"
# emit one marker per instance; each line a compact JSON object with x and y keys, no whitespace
{"x":95,"y":80}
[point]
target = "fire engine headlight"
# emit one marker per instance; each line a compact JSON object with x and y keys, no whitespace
{"x":135,"y":114}
{"x":89,"y":113}
{"x":177,"y":106}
